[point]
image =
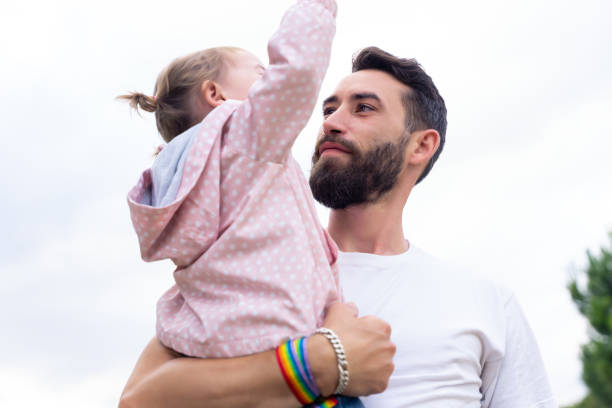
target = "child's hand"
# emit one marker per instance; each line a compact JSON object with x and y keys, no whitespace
{"x":368,"y":347}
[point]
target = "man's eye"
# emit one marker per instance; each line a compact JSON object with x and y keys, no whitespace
{"x":328,"y":111}
{"x":364,"y":108}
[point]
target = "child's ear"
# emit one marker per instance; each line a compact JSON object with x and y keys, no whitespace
{"x":212,"y":93}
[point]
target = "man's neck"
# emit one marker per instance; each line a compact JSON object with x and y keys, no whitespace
{"x":373,"y":228}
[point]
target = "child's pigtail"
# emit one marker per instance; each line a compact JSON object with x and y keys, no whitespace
{"x":139,"y":100}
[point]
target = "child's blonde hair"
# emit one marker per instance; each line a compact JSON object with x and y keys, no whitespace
{"x":176,"y":86}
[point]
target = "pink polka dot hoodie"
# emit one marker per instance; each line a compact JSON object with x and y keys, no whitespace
{"x":230,"y":206}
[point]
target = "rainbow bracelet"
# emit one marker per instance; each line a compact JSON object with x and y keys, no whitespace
{"x":292,"y":359}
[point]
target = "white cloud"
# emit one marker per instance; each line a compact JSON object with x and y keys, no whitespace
{"x":27,"y":386}
{"x":83,"y":302}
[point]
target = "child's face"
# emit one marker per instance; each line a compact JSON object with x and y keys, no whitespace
{"x":241,"y":71}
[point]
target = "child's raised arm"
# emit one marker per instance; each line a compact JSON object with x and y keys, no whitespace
{"x":281,"y":102}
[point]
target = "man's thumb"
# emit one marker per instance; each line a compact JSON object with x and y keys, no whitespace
{"x":344,"y":308}
{"x":353,"y":308}
{"x":341,"y":310}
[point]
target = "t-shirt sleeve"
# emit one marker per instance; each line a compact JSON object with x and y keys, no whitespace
{"x":280,"y":103}
{"x":518,"y":379}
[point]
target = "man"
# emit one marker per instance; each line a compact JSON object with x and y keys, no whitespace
{"x":461,"y":341}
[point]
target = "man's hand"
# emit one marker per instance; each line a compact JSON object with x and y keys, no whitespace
{"x":368,"y":347}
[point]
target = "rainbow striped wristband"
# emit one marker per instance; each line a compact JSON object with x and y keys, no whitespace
{"x":292,"y":359}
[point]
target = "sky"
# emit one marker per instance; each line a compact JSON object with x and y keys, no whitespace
{"x":520,"y":192}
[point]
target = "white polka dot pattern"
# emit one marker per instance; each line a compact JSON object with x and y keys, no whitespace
{"x":254,"y":266}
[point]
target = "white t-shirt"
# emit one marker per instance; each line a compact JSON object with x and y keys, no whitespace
{"x":462,"y":341}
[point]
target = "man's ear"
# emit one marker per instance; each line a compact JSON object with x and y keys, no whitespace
{"x":212,"y":93}
{"x":424,"y":144}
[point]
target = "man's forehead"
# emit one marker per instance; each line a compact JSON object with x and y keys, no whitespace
{"x":370,"y":81}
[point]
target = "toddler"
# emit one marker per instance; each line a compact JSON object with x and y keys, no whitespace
{"x":226,"y":201}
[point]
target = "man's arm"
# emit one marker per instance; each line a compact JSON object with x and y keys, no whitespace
{"x":160,"y":379}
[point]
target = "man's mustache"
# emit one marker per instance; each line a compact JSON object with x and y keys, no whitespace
{"x":350,"y":146}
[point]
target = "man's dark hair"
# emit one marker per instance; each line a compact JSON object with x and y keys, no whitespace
{"x":425,"y":108}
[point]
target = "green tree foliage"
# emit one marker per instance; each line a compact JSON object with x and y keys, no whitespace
{"x":595,"y":302}
{"x":588,"y":402}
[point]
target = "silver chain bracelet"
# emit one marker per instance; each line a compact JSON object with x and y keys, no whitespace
{"x":343,"y":373}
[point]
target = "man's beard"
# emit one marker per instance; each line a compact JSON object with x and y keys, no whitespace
{"x":363,"y":179}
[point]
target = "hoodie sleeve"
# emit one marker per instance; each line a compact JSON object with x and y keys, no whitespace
{"x":281,"y":102}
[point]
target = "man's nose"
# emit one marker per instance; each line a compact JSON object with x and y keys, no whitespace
{"x":334,"y":124}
